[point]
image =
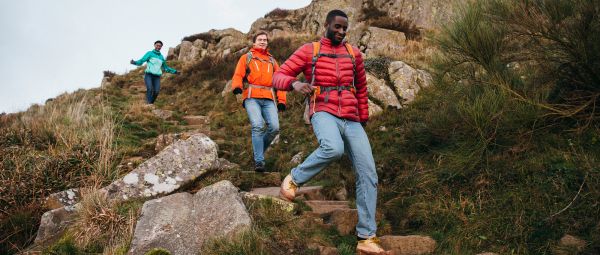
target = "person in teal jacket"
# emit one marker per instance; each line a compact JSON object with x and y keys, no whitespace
{"x":156,"y":63}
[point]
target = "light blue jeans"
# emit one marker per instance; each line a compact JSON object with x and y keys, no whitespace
{"x":261,"y":112}
{"x":336,"y":136}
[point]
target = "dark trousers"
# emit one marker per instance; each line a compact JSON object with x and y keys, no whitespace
{"x":152,"y":87}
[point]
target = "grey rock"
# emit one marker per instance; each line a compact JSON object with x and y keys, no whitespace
{"x":379,"y":42}
{"x":378,"y":89}
{"x":176,"y":165}
{"x":64,"y":198}
{"x":408,"y":81}
{"x":182,"y":222}
{"x":163,"y":114}
{"x":374,"y":109}
{"x":54,"y":223}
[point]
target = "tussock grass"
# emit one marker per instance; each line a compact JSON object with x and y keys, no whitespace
{"x":102,"y":223}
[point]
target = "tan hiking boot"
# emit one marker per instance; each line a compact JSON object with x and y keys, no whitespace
{"x":371,"y":246}
{"x":288,"y":188}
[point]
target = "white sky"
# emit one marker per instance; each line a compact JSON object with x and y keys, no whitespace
{"x":62,"y":45}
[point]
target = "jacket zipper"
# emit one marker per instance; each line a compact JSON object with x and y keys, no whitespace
{"x":337,"y":73}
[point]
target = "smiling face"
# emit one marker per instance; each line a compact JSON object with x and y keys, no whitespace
{"x":158,"y":46}
{"x":336,"y":29}
{"x":261,"y":42}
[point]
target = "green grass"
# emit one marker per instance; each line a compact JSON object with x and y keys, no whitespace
{"x":501,"y":154}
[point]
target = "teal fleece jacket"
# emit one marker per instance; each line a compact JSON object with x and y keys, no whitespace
{"x":156,"y":62}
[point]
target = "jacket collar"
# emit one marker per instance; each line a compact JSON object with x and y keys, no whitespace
{"x":260,"y":52}
{"x":327,"y":42}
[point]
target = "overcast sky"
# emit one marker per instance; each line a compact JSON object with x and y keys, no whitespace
{"x":62,"y":45}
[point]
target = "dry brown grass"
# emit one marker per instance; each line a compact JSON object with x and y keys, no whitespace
{"x":67,"y":143}
{"x":100,"y":223}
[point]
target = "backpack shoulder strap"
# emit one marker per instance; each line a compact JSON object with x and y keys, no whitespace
{"x":248,"y":58}
{"x":351,"y":52}
{"x":315,"y":56}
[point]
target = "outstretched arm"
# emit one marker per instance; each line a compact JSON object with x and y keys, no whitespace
{"x":142,"y":60}
{"x":167,"y":68}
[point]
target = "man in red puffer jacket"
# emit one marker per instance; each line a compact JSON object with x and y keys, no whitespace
{"x":338,"y":111}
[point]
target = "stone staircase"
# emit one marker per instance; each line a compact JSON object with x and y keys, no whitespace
{"x":339,"y":215}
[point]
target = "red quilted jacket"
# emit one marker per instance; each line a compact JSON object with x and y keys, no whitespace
{"x":330,"y":72}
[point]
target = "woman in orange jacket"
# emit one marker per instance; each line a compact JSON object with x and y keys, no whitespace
{"x":253,"y":79}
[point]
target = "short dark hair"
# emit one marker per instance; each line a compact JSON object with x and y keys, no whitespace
{"x":258,"y":34}
{"x":332,"y":14}
{"x":159,"y":42}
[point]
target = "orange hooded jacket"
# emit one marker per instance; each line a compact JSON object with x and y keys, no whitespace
{"x":261,"y":73}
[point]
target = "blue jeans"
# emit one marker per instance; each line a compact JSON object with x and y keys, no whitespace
{"x":336,"y":136}
{"x":261,"y":112}
{"x":152,"y":87}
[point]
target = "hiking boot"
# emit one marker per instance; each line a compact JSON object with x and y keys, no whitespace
{"x":370,"y":246}
{"x":288,"y":188}
{"x":259,"y":168}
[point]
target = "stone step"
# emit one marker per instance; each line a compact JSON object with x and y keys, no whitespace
{"x":412,"y":244}
{"x":196,"y":120}
{"x":274,"y":191}
{"x":325,"y":207}
{"x":344,"y":220}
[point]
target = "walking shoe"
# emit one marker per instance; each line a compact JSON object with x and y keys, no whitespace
{"x":288,"y":189}
{"x":370,"y":246}
{"x":259,"y":168}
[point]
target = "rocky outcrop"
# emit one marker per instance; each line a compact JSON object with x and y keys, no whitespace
{"x":408,"y":81}
{"x":182,"y":222}
{"x":214,"y":43}
{"x":179,"y":163}
{"x":424,"y":14}
{"x":382,"y":92}
{"x":379,"y":42}
{"x":175,"y":166}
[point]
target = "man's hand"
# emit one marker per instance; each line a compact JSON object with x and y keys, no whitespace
{"x":303,"y":87}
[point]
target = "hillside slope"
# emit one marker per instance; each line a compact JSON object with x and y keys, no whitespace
{"x":501,"y":154}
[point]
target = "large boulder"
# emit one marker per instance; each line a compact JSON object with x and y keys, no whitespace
{"x":379,"y":42}
{"x":374,"y":109}
{"x":54,"y":223}
{"x":176,"y":165}
{"x":408,"y":81}
{"x":182,"y":222}
{"x":382,"y":92}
